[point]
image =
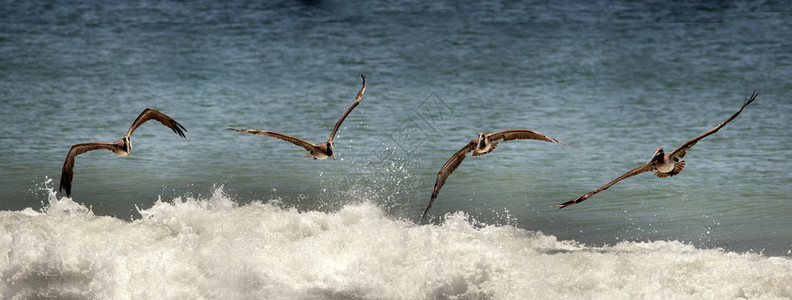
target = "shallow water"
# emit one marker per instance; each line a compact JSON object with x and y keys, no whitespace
{"x":616,"y":80}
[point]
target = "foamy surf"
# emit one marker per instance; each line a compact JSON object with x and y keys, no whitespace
{"x":190,"y":248}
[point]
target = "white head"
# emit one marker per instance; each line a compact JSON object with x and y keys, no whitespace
{"x":658,"y":155}
{"x":128,"y":144}
{"x":481,"y":143}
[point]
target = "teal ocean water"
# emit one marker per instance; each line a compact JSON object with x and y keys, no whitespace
{"x":223,"y":214}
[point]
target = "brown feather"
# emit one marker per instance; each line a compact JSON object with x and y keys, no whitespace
{"x":117,"y":147}
{"x":491,"y":148}
{"x":447,"y":169}
{"x":644,"y":168}
{"x":153,"y":114}
{"x":314,"y":149}
{"x":67,"y":173}
{"x":674,"y":155}
{"x":459,"y":156}
{"x":682,"y":150}
{"x":677,"y":168}
{"x":521,"y":134}
{"x":357,"y":101}
{"x":294,"y":140}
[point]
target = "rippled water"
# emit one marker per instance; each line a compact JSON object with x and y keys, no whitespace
{"x":616,"y":80}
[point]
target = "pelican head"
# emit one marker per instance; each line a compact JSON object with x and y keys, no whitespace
{"x":482,"y":143}
{"x":658,"y":155}
{"x":127,"y":144}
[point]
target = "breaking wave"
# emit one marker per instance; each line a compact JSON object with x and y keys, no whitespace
{"x":214,"y":248}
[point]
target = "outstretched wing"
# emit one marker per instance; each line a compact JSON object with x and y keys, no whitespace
{"x":357,"y":101}
{"x":446,"y":170}
{"x":149,"y":114}
{"x":294,"y":140}
{"x":67,"y":172}
{"x":650,"y":166}
{"x":682,"y":150}
{"x":521,"y":134}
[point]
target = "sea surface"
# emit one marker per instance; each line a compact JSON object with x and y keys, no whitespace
{"x":222,"y":214}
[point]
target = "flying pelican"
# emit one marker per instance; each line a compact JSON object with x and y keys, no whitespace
{"x":121,"y":147}
{"x":666,"y":165}
{"x":482,"y":144}
{"x":318,"y":151}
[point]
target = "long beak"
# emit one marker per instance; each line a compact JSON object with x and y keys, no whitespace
{"x":334,"y":158}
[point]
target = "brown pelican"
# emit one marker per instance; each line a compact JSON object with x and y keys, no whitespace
{"x":318,"y":151}
{"x":121,"y":147}
{"x":482,"y":144}
{"x":665,"y":164}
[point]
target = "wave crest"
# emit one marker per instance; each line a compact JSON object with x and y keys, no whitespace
{"x":214,"y":248}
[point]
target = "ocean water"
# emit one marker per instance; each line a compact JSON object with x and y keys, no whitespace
{"x":222,"y":214}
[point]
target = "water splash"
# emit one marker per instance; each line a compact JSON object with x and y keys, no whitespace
{"x":211,"y":247}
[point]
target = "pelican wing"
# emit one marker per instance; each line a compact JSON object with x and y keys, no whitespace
{"x":357,"y":101}
{"x":446,"y":170}
{"x":682,"y":150}
{"x":67,"y":172}
{"x":294,"y":140}
{"x":521,"y":134}
{"x":149,"y":114}
{"x":650,"y":166}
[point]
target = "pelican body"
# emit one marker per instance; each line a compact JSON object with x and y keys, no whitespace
{"x":317,"y":151}
{"x":665,"y":164}
{"x":482,"y":144}
{"x":122,"y":147}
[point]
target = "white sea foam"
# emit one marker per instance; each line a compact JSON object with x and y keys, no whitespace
{"x":213,"y":248}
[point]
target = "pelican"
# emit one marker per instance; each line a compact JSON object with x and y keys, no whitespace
{"x":666,"y":165}
{"x":482,"y":144}
{"x":317,"y":151}
{"x":121,"y":147}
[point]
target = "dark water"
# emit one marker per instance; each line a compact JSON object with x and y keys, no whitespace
{"x":617,"y":80}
